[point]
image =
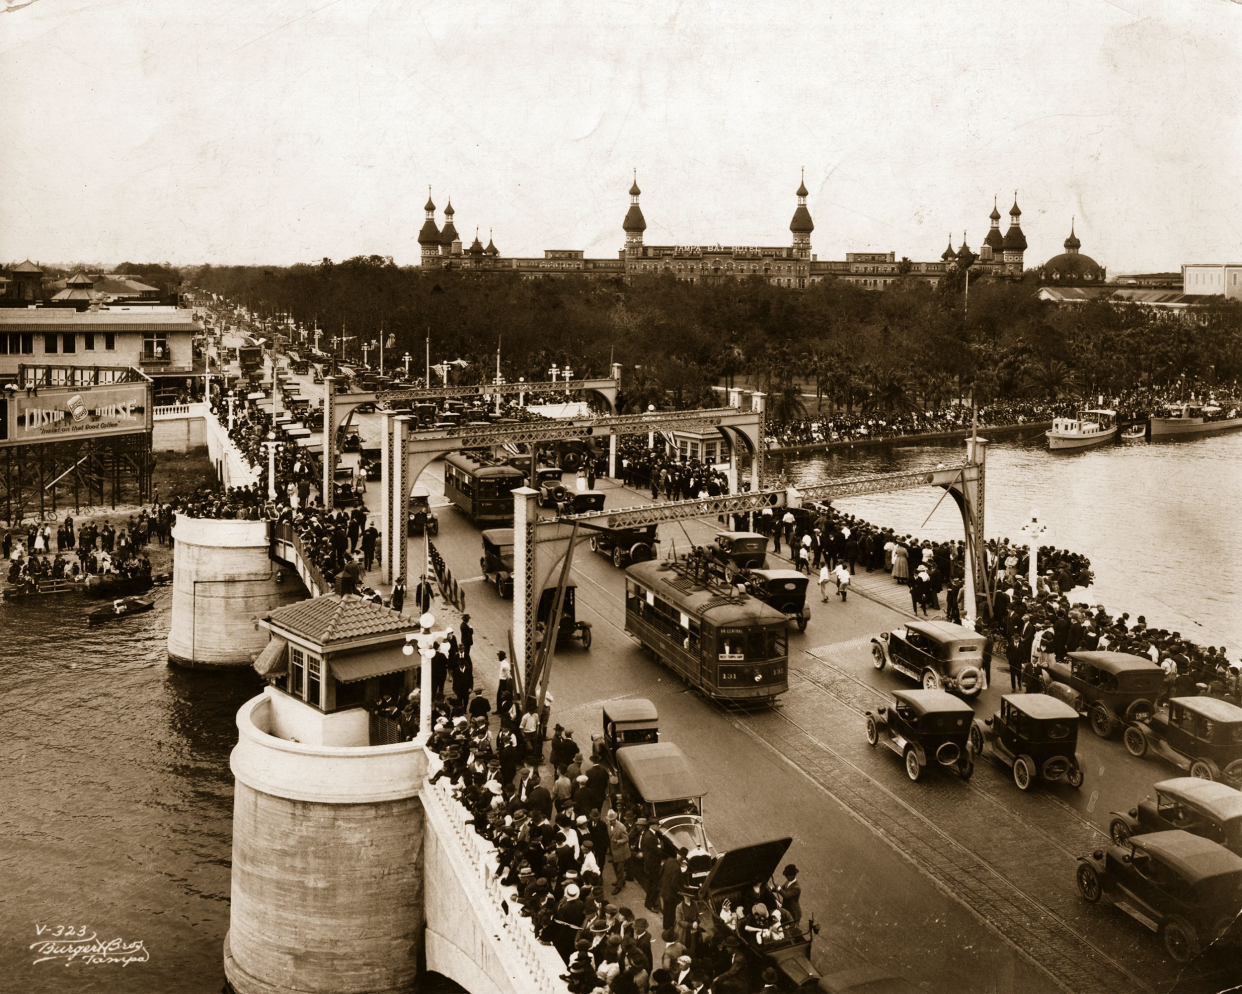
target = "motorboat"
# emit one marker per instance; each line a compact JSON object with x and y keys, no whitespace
{"x":1093,"y":427}
{"x":1192,"y":419}
{"x":122,"y":607}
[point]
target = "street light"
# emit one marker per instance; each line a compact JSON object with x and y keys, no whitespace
{"x":271,"y":445}
{"x":428,"y":643}
{"x":406,"y":359}
{"x":553,"y":371}
{"x":1034,"y":531}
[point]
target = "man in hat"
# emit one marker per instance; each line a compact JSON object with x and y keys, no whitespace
{"x":568,"y":920}
{"x":670,"y":888}
{"x":642,"y":938}
{"x":618,"y":849}
{"x":652,"y":857}
{"x":789,"y":894}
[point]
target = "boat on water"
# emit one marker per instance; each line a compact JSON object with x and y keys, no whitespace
{"x":1135,"y":433}
{"x":1093,"y":427}
{"x":120,"y":608}
{"x":113,"y":585}
{"x":1192,"y":419}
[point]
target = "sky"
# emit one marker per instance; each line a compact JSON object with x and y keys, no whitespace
{"x":257,"y":132}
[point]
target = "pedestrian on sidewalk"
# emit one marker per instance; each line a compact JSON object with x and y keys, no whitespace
{"x":825,"y":578}
{"x":369,"y":537}
{"x":842,"y":574}
{"x":398,"y":595}
{"x":466,"y":636}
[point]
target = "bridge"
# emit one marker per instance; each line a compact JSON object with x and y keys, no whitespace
{"x":286,"y":547}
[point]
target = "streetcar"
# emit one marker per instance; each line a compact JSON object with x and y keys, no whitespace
{"x":481,"y":489}
{"x":729,"y":645}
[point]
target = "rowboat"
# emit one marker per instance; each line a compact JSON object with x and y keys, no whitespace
{"x":1093,"y":427}
{"x":120,"y":608}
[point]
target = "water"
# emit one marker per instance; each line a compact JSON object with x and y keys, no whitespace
{"x":115,"y":791}
{"x":1160,"y":523}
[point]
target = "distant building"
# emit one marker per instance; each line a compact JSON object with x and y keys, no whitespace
{"x":1200,"y":279}
{"x":157,"y":340}
{"x":1072,"y":268}
{"x":22,"y":285}
{"x":792,"y":265}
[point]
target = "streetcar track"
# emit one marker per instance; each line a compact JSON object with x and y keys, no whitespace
{"x":1070,"y":985}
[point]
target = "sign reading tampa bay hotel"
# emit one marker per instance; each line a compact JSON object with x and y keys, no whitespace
{"x":64,"y":414}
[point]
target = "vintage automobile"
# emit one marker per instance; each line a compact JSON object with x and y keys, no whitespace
{"x":629,"y":721}
{"x":1111,"y":688}
{"x":580,"y":502}
{"x":741,"y":550}
{"x":1185,"y":888}
{"x":1033,"y":733}
{"x":1200,"y":807}
{"x":548,"y":482}
{"x":624,"y":545}
{"x":783,"y":589}
{"x":938,"y":654}
{"x":1200,"y":734}
{"x":352,"y":442}
{"x":922,"y":725}
{"x":656,"y":778}
{"x":422,"y":519}
{"x":497,"y":559}
{"x":785,"y":949}
{"x":571,"y":629}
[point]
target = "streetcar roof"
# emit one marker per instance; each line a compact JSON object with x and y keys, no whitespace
{"x":659,"y":771}
{"x":710,"y":603}
{"x":1114,"y":662}
{"x":477,"y":467}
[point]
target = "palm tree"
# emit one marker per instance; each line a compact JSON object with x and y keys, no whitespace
{"x":890,"y":391}
{"x":1052,"y":379}
{"x":786,"y":404}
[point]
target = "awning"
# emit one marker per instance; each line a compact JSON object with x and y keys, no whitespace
{"x":349,"y":669}
{"x":273,"y":661}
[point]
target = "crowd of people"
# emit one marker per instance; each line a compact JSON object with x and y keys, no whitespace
{"x":89,"y":549}
{"x":666,"y":474}
{"x":568,"y":845}
{"x":842,"y":427}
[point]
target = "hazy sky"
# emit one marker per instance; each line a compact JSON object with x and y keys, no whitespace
{"x":255,"y":131}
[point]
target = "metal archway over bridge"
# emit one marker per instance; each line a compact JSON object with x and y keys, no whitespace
{"x":338,"y":408}
{"x":406,"y":454}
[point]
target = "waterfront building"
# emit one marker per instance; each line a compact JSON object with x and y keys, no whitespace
{"x":155,"y":339}
{"x":21,"y":285}
{"x":793,"y":265}
{"x":81,"y":290}
{"x":1202,"y":279}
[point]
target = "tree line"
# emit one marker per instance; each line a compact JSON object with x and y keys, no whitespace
{"x":908,"y":346}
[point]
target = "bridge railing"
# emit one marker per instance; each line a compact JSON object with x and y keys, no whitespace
{"x":287,"y":546}
{"x":531,"y":965}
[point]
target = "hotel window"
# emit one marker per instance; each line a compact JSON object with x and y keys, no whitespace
{"x":4,"y":343}
{"x":49,"y":343}
{"x":313,"y":673}
{"x":27,"y":343}
{"x":297,"y":671}
{"x":109,"y":340}
{"x":88,"y":341}
{"x":68,"y":343}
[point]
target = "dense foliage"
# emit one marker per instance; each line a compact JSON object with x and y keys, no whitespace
{"x":908,"y":346}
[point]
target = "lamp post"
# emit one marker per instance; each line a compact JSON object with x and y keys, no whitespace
{"x":1034,"y":530}
{"x":391,"y":343}
{"x":522,"y":394}
{"x":366,"y":350}
{"x":406,"y":359}
{"x":428,"y":644}
{"x":553,"y":371}
{"x":271,"y":445}
{"x":651,"y":434}
{"x":230,"y":399}
{"x":567,"y":373}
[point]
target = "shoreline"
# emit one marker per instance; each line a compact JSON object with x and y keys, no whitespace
{"x":931,"y":436}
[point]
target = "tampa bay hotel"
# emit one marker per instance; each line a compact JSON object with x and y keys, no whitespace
{"x":792,"y":265}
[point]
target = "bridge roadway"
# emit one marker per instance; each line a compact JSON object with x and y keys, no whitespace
{"x":954,"y":886}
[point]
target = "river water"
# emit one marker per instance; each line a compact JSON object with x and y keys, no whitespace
{"x":115,"y":791}
{"x":1161,"y":524}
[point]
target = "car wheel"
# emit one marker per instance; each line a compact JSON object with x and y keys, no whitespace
{"x":1119,"y":831}
{"x":1233,"y":772}
{"x":877,"y":656}
{"x":1023,"y":773}
{"x":1101,"y":721}
{"x":1180,"y":940}
{"x":965,"y":768}
{"x":931,"y":680}
{"x":873,"y":731}
{"x":1200,"y":769}
{"x":595,"y":543}
{"x":500,"y":586}
{"x":976,"y":740}
{"x":1089,"y":885}
{"x":802,"y":624}
{"x":586,"y":638}
{"x":617,"y":557}
{"x":1074,"y":777}
{"x":1222,"y":927}
{"x":913,"y":769}
{"x":1136,"y":741}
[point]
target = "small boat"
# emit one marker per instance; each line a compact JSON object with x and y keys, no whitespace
{"x":120,"y":608}
{"x":113,"y":585}
{"x":1135,"y":433}
{"x":1192,"y":419}
{"x":1094,"y":427}
{"x":32,"y":589}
